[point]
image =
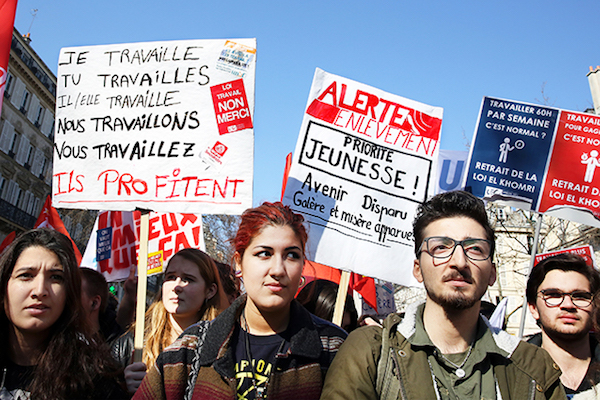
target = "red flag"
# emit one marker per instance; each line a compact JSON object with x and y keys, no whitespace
{"x":49,"y":218}
{"x":362,"y":284}
{"x":366,"y":287}
{"x":7,"y":240}
{"x":286,"y":173}
{"x":7,"y":21}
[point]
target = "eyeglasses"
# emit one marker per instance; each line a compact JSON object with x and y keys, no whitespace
{"x":443,"y":247}
{"x":555,"y":297}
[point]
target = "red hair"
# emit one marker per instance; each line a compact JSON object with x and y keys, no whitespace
{"x":254,"y":220}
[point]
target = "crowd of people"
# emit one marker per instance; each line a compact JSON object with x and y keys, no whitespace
{"x":247,"y":332}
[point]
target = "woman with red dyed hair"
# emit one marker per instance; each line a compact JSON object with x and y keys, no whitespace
{"x":265,"y":345}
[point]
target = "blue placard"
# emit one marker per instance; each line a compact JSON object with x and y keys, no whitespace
{"x":104,"y":244}
{"x":510,"y":150}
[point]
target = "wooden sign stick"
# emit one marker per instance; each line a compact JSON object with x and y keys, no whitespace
{"x":140,"y":311}
{"x":340,"y":301}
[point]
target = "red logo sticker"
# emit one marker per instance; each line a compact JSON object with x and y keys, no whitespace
{"x":231,"y":107}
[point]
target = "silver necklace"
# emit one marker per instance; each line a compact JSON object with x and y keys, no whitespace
{"x":459,"y":371}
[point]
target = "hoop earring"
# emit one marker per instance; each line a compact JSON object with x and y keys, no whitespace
{"x":302,"y":282}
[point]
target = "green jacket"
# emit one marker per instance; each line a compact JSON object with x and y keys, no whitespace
{"x":527,"y":373}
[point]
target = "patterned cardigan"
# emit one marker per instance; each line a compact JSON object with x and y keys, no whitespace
{"x":187,"y":370}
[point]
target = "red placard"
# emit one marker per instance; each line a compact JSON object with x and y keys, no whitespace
{"x":231,"y":107}
{"x":584,"y":251}
{"x":573,"y":177}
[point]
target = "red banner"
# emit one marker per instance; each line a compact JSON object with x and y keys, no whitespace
{"x":7,"y":21}
{"x":114,"y":242}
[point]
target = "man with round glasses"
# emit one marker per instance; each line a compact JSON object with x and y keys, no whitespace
{"x":560,"y":293}
{"x":442,"y":348}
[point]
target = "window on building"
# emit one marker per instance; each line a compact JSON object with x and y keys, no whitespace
{"x":2,"y":186}
{"x":8,"y":88}
{"x":40,"y":116}
{"x":25,"y":102}
{"x":36,"y":206}
{"x":50,"y":133}
{"x":9,"y":188}
{"x":29,"y":159}
{"x":30,"y":203}
{"x":7,"y":137}
{"x":22,"y":204}
{"x":43,"y":170}
{"x":12,"y":149}
{"x":21,"y":154}
{"x":17,"y":196}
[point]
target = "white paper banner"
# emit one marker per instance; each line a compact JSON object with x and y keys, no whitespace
{"x":363,"y":162}
{"x":166,"y":126}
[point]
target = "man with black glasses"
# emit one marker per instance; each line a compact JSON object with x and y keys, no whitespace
{"x":560,"y":293}
{"x":443,"y":349}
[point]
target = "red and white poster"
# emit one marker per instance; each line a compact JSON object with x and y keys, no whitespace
{"x":165,"y":126}
{"x":364,"y":160}
{"x":587,"y":252}
{"x":231,"y":107}
{"x":573,"y":177}
{"x":113,"y":245}
{"x":537,"y":158}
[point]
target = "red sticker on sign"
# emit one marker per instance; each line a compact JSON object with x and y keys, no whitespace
{"x":231,"y":107}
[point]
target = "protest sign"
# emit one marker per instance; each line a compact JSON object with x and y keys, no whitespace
{"x":572,"y":178}
{"x":363,"y":162}
{"x":537,"y":158}
{"x":509,"y":151}
{"x":114,"y":242}
{"x":385,"y":301}
{"x":587,"y":252}
{"x":451,"y":170}
{"x":166,"y":126}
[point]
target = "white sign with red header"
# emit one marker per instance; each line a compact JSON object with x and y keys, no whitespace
{"x":166,"y":126}
{"x":364,"y":160}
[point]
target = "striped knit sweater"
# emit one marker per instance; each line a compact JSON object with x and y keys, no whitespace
{"x":186,"y":370}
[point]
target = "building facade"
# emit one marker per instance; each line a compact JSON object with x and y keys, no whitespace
{"x":26,"y":138}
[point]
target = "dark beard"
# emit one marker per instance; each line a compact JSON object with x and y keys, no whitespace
{"x":456,"y":301}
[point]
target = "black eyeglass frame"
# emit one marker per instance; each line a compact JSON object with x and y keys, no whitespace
{"x":456,"y":244}
{"x":562,"y":298}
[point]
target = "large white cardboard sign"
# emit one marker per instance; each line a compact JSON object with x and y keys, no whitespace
{"x":363,"y":162}
{"x":166,"y":126}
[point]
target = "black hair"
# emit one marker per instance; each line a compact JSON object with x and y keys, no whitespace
{"x":83,"y":361}
{"x":563,"y":262}
{"x":319,"y":297}
{"x":451,"y":204}
{"x":96,"y":285}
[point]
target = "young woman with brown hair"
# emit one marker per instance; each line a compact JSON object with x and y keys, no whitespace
{"x":265,"y":345}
